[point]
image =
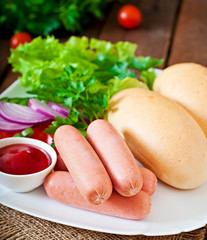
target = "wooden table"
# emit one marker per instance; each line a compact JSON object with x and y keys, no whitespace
{"x":175,"y":30}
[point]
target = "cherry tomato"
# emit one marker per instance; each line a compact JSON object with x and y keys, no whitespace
{"x":40,"y":135}
{"x":6,"y":134}
{"x":129,"y":16}
{"x":20,"y":38}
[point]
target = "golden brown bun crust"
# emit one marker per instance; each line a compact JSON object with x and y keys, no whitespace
{"x":186,"y":83}
{"x":162,"y":135}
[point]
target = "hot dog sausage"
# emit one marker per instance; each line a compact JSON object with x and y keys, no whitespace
{"x":149,"y":178}
{"x":59,"y":182}
{"x":60,"y":165}
{"x":84,"y":165}
{"x":116,"y":157}
{"x":149,"y":181}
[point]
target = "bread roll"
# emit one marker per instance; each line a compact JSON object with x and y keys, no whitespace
{"x":186,"y":83}
{"x":162,"y":135}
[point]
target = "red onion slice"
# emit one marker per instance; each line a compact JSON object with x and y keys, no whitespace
{"x":11,"y":126}
{"x":59,"y":108}
{"x":20,"y":114}
{"x":44,"y":109}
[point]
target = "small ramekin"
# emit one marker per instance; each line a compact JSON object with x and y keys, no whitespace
{"x":27,"y":182}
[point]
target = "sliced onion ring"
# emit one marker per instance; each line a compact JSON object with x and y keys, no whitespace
{"x":21,"y":114}
{"x":11,"y":126}
{"x":44,"y":109}
{"x":59,"y":108}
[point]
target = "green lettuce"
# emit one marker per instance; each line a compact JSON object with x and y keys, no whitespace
{"x":80,"y":73}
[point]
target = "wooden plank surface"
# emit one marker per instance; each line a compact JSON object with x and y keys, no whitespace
{"x":190,"y":39}
{"x":4,"y":54}
{"x":154,"y":33}
{"x":8,"y":79}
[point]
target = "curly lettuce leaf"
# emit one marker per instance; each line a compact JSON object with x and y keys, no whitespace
{"x":117,"y":85}
{"x":80,"y":73}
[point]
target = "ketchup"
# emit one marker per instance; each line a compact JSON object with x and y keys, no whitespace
{"x":20,"y":159}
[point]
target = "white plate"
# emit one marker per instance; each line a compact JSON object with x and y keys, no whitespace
{"x":173,"y":211}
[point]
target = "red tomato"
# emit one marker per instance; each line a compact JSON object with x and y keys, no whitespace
{"x":40,"y":135}
{"x":20,"y":38}
{"x":129,"y":16}
{"x":6,"y":134}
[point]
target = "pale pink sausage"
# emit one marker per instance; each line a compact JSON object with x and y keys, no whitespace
{"x":116,"y":157}
{"x":60,"y":186}
{"x":60,"y":165}
{"x":149,"y":181}
{"x":83,"y":164}
{"x":149,"y":178}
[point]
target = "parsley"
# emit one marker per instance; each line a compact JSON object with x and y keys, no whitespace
{"x":43,"y":17}
{"x":80,"y":74}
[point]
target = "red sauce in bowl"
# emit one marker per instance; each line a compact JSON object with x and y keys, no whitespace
{"x":20,"y":159}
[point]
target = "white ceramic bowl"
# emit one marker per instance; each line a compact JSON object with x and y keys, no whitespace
{"x":27,"y":182}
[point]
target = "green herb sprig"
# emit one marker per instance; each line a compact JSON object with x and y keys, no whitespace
{"x":80,"y":74}
{"x":43,"y":17}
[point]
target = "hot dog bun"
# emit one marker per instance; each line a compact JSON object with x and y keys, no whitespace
{"x":162,"y":135}
{"x":186,"y":83}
